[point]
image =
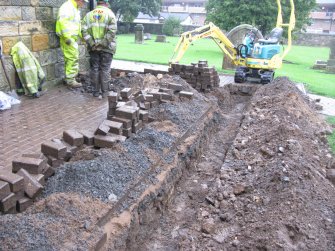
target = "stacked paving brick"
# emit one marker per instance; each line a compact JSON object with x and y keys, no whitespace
{"x":199,"y":76}
{"x":33,"y":23}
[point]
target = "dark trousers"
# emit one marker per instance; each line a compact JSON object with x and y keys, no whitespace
{"x":100,"y":70}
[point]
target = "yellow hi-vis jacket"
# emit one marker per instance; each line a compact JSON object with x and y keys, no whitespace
{"x":68,"y":20}
{"x":28,"y":68}
{"x":99,"y":29}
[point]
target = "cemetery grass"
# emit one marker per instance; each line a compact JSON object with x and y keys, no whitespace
{"x":297,"y":65}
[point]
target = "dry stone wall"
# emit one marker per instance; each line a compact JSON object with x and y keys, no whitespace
{"x":33,"y":22}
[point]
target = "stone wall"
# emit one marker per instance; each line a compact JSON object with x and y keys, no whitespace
{"x":33,"y":22}
{"x":312,"y":39}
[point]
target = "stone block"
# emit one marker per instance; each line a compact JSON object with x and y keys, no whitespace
{"x":16,"y":182}
{"x":8,"y":203}
{"x":8,"y":43}
{"x":54,"y":42}
{"x":23,"y":204}
{"x":73,"y":137}
{"x":32,"y":165}
{"x":126,"y":112}
{"x":50,"y":72}
{"x":32,"y":187}
{"x":54,"y":162}
{"x":10,"y":13}
{"x":4,"y":189}
{"x":40,"y":42}
{"x":127,"y":132}
{"x":149,"y":98}
{"x":144,"y":116}
{"x":32,"y":27}
{"x":59,"y":70}
{"x":44,"y":13}
{"x":138,"y":126}
{"x":51,"y":3}
{"x":175,"y":87}
{"x":5,"y":2}
{"x":160,"y":39}
{"x":22,"y":2}
{"x":40,"y":178}
{"x":28,"y":14}
{"x":55,"y":150}
{"x":9,"y":28}
{"x":88,"y":137}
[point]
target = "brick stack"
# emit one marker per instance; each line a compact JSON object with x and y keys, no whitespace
{"x":199,"y":76}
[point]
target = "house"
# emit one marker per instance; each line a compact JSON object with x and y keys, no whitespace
{"x":185,"y":18}
{"x":195,"y":8}
{"x":323,"y":19}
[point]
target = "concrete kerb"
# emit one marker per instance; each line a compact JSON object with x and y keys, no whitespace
{"x":120,"y":222}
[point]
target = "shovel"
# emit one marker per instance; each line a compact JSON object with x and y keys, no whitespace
{"x":11,"y":91}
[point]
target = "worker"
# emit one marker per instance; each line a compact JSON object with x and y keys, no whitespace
{"x":68,"y":29}
{"x":99,"y":29}
{"x":29,"y":70}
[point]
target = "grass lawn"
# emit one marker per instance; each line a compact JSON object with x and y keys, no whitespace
{"x":331,"y":138}
{"x":298,"y":67}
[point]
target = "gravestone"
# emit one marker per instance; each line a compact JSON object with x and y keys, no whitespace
{"x":331,"y":61}
{"x":139,"y":38}
{"x":161,"y":39}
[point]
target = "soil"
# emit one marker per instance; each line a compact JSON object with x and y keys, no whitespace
{"x":259,"y":185}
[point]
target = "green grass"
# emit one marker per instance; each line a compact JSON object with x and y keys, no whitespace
{"x":297,"y":67}
{"x":331,"y":138}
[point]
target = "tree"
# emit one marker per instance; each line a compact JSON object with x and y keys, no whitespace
{"x":172,"y":26}
{"x":229,"y":13}
{"x":129,"y":9}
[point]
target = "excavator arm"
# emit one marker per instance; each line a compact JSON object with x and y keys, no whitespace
{"x":209,"y":30}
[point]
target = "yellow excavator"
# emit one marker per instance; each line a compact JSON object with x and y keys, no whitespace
{"x":257,"y":60}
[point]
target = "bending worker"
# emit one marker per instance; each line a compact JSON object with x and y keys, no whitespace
{"x":68,"y":29}
{"x":99,"y":29}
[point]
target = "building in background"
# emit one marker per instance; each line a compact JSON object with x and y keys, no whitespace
{"x":194,"y":8}
{"x":323,"y":19}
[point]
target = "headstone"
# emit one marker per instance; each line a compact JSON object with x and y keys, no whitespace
{"x":139,"y":34}
{"x":331,"y":61}
{"x":161,"y":39}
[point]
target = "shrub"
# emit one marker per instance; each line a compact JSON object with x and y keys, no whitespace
{"x":172,"y":26}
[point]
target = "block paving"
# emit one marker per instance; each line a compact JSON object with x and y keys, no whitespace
{"x":24,"y":127}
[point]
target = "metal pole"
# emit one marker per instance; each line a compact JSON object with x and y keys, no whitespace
{"x":91,"y":5}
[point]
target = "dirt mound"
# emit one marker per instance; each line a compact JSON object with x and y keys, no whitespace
{"x":61,"y":221}
{"x":268,"y":192}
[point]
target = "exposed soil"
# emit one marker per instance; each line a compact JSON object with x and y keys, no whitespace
{"x":264,"y":189}
{"x":259,"y":185}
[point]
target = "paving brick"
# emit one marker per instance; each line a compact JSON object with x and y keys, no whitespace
{"x":8,"y":202}
{"x":53,"y":162}
{"x":88,"y":137}
{"x":32,"y":165}
{"x":113,"y":97}
{"x":149,"y":98}
{"x":32,"y":187}
{"x":154,"y":103}
{"x":19,"y":195}
{"x":145,"y":106}
{"x":125,"y":122}
{"x":114,"y":127}
{"x":73,"y":137}
{"x":23,"y":204}
{"x":16,"y":182}
{"x":175,"y":87}
{"x":53,"y":149}
{"x":144,"y":116}
{"x":138,"y":126}
{"x":184,"y":94}
{"x":104,"y":141}
{"x":125,"y":93}
{"x":102,"y":130}
{"x":4,"y":189}
{"x":48,"y":171}
{"x":127,"y":132}
{"x":40,"y":178}
{"x":126,"y":112}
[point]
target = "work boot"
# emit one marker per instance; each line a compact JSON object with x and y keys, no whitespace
{"x":96,"y":94}
{"x":73,"y":84}
{"x":104,"y":94}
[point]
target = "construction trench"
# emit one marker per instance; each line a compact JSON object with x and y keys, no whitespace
{"x":240,"y":167}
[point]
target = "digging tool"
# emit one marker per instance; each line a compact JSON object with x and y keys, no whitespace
{"x":11,"y":91}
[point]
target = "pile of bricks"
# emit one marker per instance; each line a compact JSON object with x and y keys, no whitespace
{"x":199,"y":75}
{"x":128,"y":110}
